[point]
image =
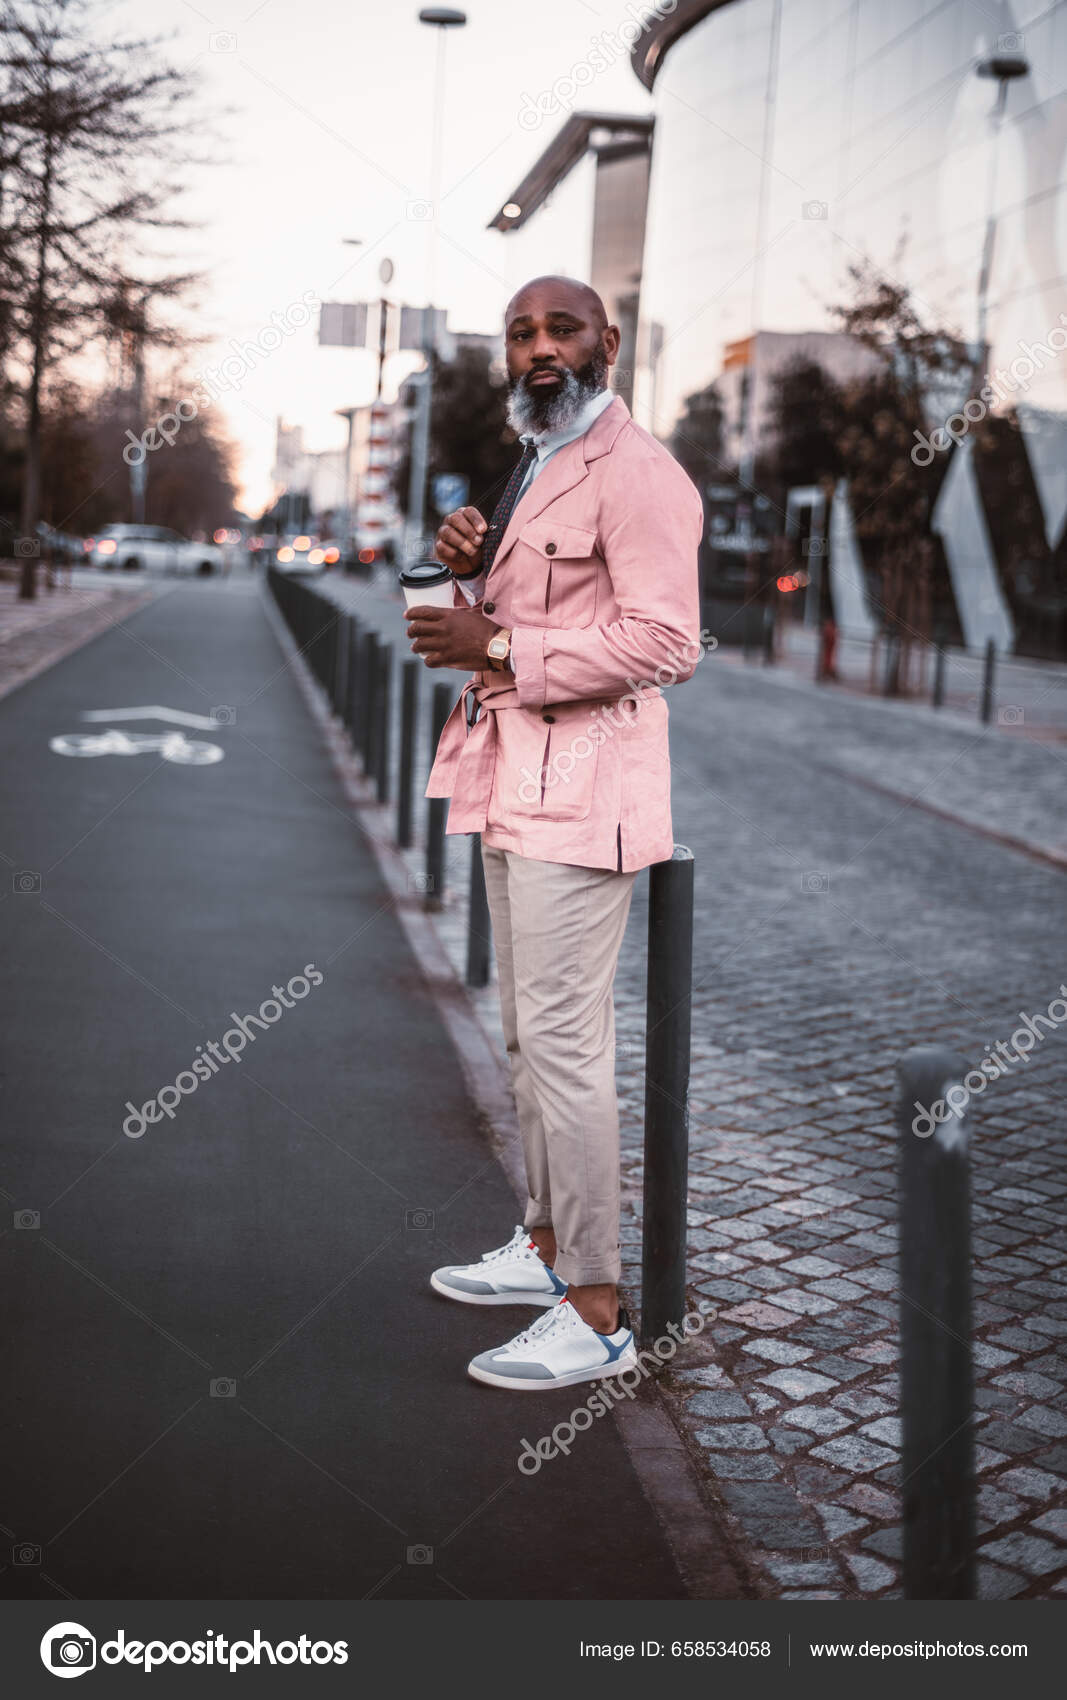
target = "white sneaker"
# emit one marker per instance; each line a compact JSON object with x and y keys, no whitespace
{"x":558,"y":1351}
{"x":515,"y":1274}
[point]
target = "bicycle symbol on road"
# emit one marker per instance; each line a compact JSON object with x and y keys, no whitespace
{"x":172,"y":746}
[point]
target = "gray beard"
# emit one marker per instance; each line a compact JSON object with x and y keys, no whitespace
{"x":531,"y":413}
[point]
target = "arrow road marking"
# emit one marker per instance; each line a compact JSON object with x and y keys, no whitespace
{"x":176,"y":716}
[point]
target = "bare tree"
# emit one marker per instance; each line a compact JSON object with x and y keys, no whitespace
{"x":893,"y":498}
{"x":88,"y":126}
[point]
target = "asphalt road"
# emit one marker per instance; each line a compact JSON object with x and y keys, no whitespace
{"x":227,"y":1377}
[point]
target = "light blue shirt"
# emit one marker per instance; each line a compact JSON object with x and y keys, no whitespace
{"x":549,"y":443}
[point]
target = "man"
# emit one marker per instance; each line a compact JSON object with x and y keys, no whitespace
{"x":576,"y":602}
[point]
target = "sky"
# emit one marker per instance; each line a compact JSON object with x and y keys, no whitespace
{"x":316,"y":119}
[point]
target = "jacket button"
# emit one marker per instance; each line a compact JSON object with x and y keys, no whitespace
{"x":550,"y":548}
{"x":549,"y":719}
{"x":489,"y":607}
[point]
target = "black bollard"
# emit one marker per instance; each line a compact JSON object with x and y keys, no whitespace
{"x":323,"y":641}
{"x":768,"y":636}
{"x":330,"y":648}
{"x":936,"y":1371}
{"x":340,"y":666}
{"x":478,"y":924}
{"x":314,"y":646}
{"x":667,"y":1052}
{"x":382,"y":705}
{"x":332,"y":652}
{"x":437,"y":812}
{"x":987,"y":681}
{"x":938,"y":698}
{"x":370,"y":700}
{"x":409,"y":713}
{"x":353,"y":679}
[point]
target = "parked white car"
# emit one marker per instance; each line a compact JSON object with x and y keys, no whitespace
{"x":155,"y":546}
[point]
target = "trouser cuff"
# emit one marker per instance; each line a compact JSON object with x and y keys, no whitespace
{"x":579,"y":1273}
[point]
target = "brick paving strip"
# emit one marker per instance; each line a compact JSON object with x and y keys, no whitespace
{"x":34,"y":635}
{"x":815,"y":968}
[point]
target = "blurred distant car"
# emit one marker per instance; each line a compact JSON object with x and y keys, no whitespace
{"x":371,"y":545}
{"x":303,"y":553}
{"x":133,"y":546}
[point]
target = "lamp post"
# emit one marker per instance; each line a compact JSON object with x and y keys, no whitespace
{"x":1006,"y":68}
{"x":441,"y":18}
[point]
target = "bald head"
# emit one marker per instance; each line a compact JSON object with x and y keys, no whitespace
{"x":561,"y":293}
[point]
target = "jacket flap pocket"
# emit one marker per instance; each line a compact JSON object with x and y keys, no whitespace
{"x":558,"y":542}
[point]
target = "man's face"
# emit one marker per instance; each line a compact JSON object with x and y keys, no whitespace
{"x":557,"y":356}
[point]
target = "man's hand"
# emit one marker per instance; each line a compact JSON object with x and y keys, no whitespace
{"x":459,"y":541}
{"x":451,"y":637}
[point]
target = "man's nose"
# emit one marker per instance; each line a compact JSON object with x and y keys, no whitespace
{"x":544,"y":347}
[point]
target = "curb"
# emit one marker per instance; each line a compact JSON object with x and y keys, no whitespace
{"x":708,"y":1556}
{"x":136,"y":601}
{"x":1048,"y":857}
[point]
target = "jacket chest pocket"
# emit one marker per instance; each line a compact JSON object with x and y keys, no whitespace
{"x":556,"y":572}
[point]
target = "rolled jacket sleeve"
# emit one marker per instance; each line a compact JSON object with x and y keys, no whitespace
{"x":649,"y":538}
{"x":470,"y":590}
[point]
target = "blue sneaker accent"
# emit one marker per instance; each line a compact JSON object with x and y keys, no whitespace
{"x":623,"y":1346}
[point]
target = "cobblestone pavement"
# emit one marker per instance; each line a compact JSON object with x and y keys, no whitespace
{"x":35,"y":634}
{"x":835,"y":928}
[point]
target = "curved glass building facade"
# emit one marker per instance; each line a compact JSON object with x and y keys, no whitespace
{"x":795,"y":139}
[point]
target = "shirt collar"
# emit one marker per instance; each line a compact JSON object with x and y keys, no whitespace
{"x":547,"y":442}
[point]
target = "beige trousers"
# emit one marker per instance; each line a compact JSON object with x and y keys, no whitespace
{"x":557,"y":930}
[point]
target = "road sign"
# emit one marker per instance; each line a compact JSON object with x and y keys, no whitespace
{"x":418,"y":329}
{"x":450,"y":490}
{"x":343,"y":324}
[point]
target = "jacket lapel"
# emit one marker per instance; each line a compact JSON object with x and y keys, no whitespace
{"x":563,"y":472}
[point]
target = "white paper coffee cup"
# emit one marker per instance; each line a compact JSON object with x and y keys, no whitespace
{"x":427,"y":584}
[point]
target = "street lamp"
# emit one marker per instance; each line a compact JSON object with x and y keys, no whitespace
{"x":1006,"y":67}
{"x":441,"y":18}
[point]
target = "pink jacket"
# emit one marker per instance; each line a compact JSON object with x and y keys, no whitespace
{"x":596,"y":575}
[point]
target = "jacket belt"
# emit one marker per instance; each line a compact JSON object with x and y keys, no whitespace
{"x":470,"y":734}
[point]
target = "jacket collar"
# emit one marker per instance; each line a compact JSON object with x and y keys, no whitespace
{"x":566,"y":469}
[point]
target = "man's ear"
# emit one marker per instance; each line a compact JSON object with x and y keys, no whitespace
{"x":610,"y":338}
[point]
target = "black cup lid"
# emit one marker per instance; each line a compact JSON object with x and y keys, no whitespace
{"x":425,"y":573}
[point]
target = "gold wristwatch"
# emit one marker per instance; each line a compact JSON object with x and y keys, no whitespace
{"x":498,"y":650}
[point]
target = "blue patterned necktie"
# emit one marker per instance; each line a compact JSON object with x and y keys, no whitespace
{"x":504,"y":508}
